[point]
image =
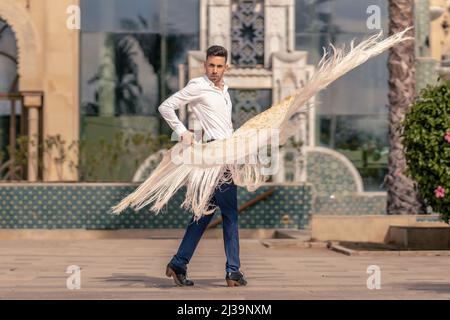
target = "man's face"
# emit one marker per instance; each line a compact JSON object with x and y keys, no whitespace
{"x":215,"y":68}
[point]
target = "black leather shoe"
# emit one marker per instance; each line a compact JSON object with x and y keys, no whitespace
{"x":235,"y":279}
{"x":178,"y":276}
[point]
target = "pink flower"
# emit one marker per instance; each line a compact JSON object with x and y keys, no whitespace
{"x":447,"y":137}
{"x":439,"y":192}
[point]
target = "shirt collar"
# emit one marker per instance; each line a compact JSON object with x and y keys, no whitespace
{"x":225,"y":86}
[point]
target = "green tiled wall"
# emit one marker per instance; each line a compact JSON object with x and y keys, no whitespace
{"x":335,"y":190}
{"x":329,"y":175}
{"x":426,"y":66}
{"x":85,"y":206}
{"x":351,"y":205}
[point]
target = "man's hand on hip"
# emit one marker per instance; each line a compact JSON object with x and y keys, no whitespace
{"x":187,"y":138}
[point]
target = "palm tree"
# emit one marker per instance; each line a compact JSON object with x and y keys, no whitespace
{"x":403,"y":197}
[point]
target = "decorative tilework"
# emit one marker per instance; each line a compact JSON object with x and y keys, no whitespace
{"x":332,"y":190}
{"x":287,"y":207}
{"x":84,"y":206}
{"x":335,"y":190}
{"x":426,"y":66}
{"x":421,"y":27}
{"x":431,"y":218}
{"x":329,"y":175}
{"x":426,"y":73}
{"x":356,"y":204}
{"x":247,"y":33}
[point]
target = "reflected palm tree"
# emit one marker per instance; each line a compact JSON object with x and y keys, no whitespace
{"x":160,"y":48}
{"x":119,"y":89}
{"x":150,"y":42}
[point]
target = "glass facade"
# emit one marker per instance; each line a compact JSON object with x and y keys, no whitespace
{"x":130,"y":53}
{"x":352,"y":113}
{"x":8,"y":59}
{"x":8,"y":84}
{"x":130,"y":57}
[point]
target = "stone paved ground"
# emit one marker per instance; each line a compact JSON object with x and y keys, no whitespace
{"x":134,"y":269}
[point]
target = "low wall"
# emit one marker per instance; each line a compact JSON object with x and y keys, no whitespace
{"x":364,"y":228}
{"x":83,"y":234}
{"x":421,"y":237}
{"x":357,"y":203}
{"x":85,"y":206}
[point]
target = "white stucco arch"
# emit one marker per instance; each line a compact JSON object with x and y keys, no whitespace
{"x":28,"y":41}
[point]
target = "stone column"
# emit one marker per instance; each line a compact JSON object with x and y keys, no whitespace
{"x":32,"y":103}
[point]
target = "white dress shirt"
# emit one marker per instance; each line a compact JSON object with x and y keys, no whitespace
{"x":210,"y":104}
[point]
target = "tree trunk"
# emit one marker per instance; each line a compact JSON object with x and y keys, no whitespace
{"x":403,"y":197}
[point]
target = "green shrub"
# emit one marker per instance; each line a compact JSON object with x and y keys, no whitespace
{"x":426,"y":137}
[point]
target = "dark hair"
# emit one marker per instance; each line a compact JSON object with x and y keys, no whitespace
{"x":217,"y":51}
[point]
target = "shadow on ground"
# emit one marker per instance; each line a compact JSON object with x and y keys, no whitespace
{"x":429,"y":286}
{"x":138,"y":281}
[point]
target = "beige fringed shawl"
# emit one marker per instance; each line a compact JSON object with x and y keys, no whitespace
{"x":218,"y":162}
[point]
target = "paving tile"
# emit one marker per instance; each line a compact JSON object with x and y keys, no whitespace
{"x":111,"y":270}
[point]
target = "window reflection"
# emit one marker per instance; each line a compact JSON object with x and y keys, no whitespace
{"x":351,"y":113}
{"x":9,"y":80}
{"x":130,"y":57}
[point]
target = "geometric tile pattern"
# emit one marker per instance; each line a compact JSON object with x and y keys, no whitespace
{"x":247,"y":33}
{"x":329,"y":175}
{"x":335,"y":188}
{"x":82,"y":206}
{"x":426,"y":73}
{"x":426,"y":67}
{"x":286,"y":207}
{"x":248,"y":103}
{"x":350,"y":205}
{"x":421,"y":27}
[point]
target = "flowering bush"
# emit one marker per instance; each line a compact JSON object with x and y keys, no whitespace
{"x":426,"y":137}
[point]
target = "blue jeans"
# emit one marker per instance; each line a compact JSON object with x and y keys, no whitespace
{"x":225,"y":197}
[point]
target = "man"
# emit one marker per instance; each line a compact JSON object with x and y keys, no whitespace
{"x":210,"y":101}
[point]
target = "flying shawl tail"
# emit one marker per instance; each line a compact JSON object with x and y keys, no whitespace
{"x":201,"y":178}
